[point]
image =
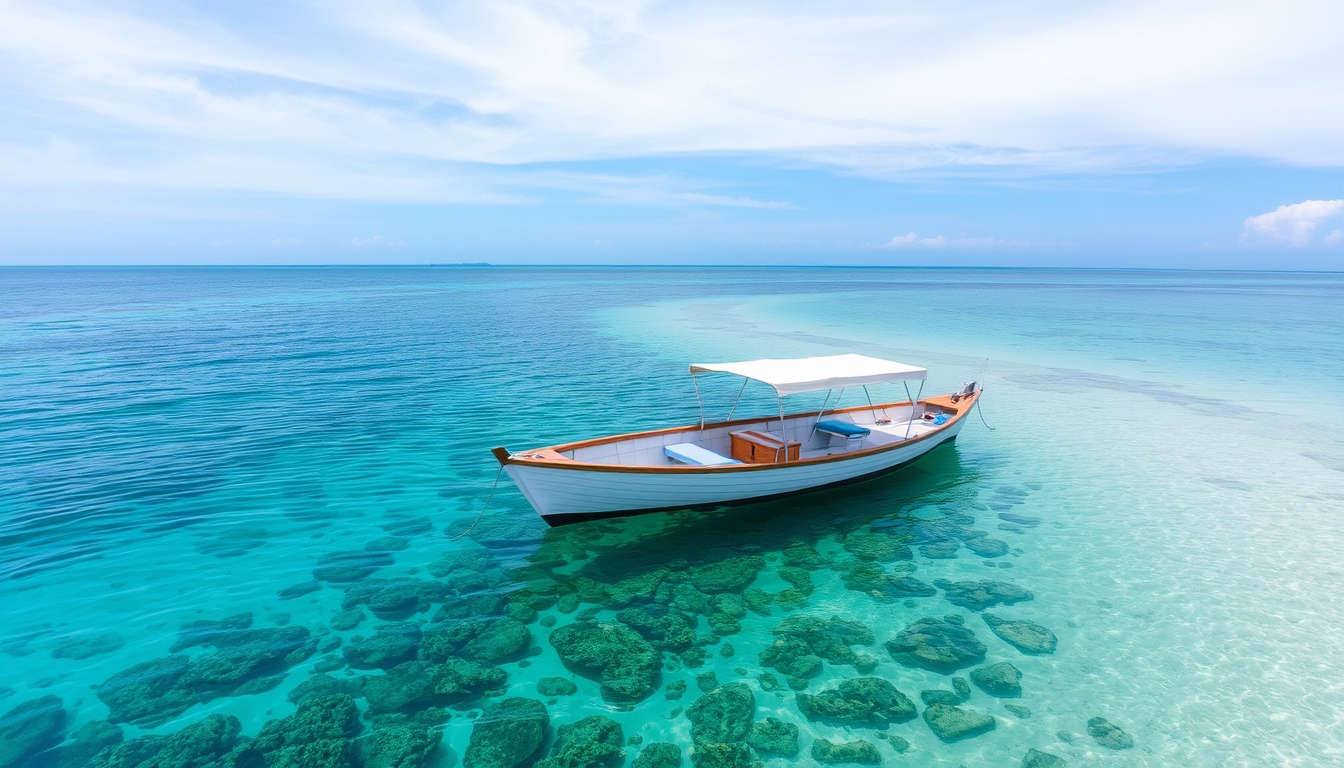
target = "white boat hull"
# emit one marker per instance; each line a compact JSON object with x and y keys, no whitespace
{"x":567,"y":494}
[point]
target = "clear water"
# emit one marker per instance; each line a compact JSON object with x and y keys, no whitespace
{"x":182,"y":444}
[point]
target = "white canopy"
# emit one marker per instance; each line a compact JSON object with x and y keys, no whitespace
{"x":811,"y":374}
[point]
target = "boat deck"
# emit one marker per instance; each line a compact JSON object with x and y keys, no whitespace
{"x":887,"y":423}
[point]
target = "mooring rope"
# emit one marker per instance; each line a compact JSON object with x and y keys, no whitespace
{"x":487,"y":504}
{"x":978,"y":409}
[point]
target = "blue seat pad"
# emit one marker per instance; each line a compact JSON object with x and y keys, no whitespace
{"x":843,"y":429}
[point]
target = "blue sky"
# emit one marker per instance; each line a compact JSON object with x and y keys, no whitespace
{"x":1134,"y":134}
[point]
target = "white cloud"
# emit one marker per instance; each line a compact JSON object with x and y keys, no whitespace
{"x":912,"y":240}
{"x":1293,"y":225}
{"x":349,"y":99}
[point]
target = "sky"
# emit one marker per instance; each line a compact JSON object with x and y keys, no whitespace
{"x":1036,"y":133}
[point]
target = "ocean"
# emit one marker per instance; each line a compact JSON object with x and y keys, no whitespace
{"x":241,"y":523}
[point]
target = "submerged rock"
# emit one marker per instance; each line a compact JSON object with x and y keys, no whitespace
{"x":299,"y":590}
{"x":388,"y":544}
{"x":1037,"y":759}
{"x":978,"y":595}
{"x":346,"y":620}
{"x":954,"y":723}
{"x":324,"y":685}
{"x":1018,"y":711}
{"x":940,"y":550}
{"x":1029,"y":522}
{"x":29,"y":728}
{"x":556,"y":686}
{"x":865,"y":701}
{"x":797,"y":578}
{"x":147,"y":694}
{"x":757,"y":600}
{"x":732,"y":574}
{"x":804,"y":641}
{"x":343,"y":567}
{"x":1002,"y":680}
{"x":867,"y":545}
{"x":659,"y":754}
{"x":792,"y":657}
{"x":614,"y":655}
{"x":402,"y":746}
{"x":592,"y":742}
{"x":86,"y":743}
{"x":832,"y":753}
{"x":199,"y":744}
{"x":772,"y":736}
{"x":320,"y":733}
{"x":1026,"y":636}
{"x":722,"y":715}
{"x":247,"y":662}
{"x":942,"y":645}
{"x":984,"y":546}
{"x":665,"y":628}
{"x":507,"y":734}
{"x":461,"y":679}
{"x":707,"y":682}
{"x":883,"y":586}
{"x":87,"y":646}
{"x":713,"y":754}
{"x":211,"y":632}
{"x":500,"y":639}
{"x":962,"y":687}
{"x":390,"y":645}
{"x":801,"y":555}
{"x":949,"y":698}
{"x":1108,"y":734}
{"x":394,"y":599}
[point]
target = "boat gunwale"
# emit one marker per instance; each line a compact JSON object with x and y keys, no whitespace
{"x":962,"y":407}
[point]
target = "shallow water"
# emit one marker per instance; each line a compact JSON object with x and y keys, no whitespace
{"x":184,"y":444}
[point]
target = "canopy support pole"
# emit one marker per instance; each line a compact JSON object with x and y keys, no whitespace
{"x":696,"y":383}
{"x":783,"y":431}
{"x":739,"y":398}
{"x":819,"y":413}
{"x":912,"y":406}
{"x":871,"y":410}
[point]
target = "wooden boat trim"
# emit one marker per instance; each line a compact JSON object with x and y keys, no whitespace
{"x":553,"y":459}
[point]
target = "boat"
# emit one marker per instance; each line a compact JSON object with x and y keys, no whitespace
{"x":747,"y":460}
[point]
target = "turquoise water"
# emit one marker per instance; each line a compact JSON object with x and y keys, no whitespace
{"x":1165,"y":473}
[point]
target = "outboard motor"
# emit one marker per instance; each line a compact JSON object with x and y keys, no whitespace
{"x":966,"y":391}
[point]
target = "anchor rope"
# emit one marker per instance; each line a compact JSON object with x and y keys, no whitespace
{"x":484,"y":506}
{"x":978,"y":409}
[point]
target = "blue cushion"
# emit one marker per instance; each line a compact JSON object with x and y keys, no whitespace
{"x":690,"y":453}
{"x":843,"y":429}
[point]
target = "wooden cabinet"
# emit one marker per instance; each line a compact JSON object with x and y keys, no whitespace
{"x":751,"y":447}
